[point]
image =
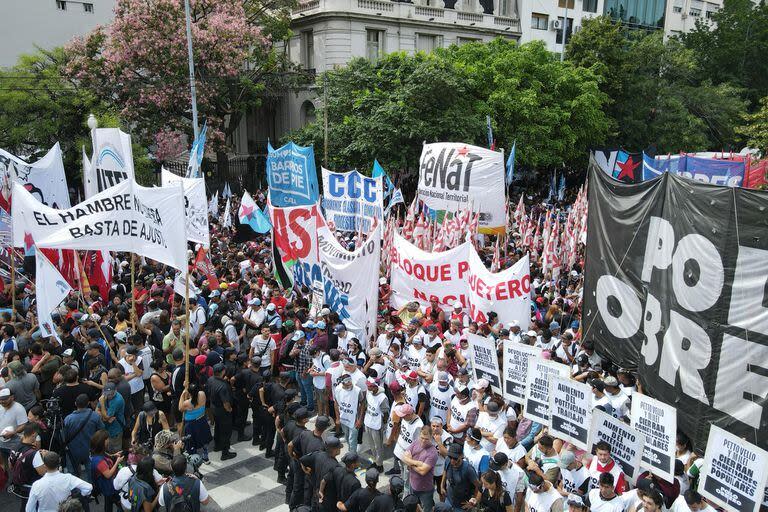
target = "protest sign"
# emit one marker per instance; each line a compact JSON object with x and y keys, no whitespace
{"x":516,"y":359}
{"x":126,"y":217}
{"x":656,"y":421}
{"x":570,"y":407}
{"x":459,"y":275}
{"x":485,"y":363}
{"x":44,"y":179}
{"x":456,"y":176}
{"x":675,"y":293}
{"x":626,"y":442}
{"x":111,"y":162}
{"x":51,"y":289}
{"x":706,"y":170}
{"x":735,"y":472}
{"x":352,"y":201}
{"x":536,"y":402}
{"x":318,"y":298}
{"x":292,"y":175}
{"x":180,"y":287}
{"x":195,"y":206}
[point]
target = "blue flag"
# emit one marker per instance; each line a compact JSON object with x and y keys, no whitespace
{"x":252,"y":215}
{"x":377,"y":171}
{"x":511,"y":164}
{"x":196,"y":153}
{"x":490,"y":132}
{"x":292,"y":175}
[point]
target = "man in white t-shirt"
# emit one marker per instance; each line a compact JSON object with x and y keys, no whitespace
{"x":183,"y":484}
{"x":263,"y":345}
{"x":197,"y":319}
{"x":604,"y":498}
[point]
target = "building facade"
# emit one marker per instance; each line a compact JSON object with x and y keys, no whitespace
{"x":545,"y":20}
{"x":681,"y":15}
{"x":32,"y":24}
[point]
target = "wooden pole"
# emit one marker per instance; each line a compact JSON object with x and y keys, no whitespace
{"x":13,"y":283}
{"x":98,"y":326}
{"x":133,"y":298}
{"x":186,"y":341}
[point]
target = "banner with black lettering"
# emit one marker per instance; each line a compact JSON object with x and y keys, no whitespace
{"x":570,"y":406}
{"x":126,"y":217}
{"x":735,"y":472}
{"x":111,"y":162}
{"x":352,"y":201}
{"x":516,"y":359}
{"x":626,"y":442}
{"x":195,"y":205}
{"x":540,"y":372}
{"x":485,"y":363}
{"x":45,"y":179}
{"x":676,"y":290}
{"x":454,"y":176}
{"x":657,"y":422}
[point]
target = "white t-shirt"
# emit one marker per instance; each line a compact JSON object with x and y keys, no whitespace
{"x":136,"y":384}
{"x":320,"y":363}
{"x":513,"y":454}
{"x":203,"y":495}
{"x":121,"y":482}
{"x":12,"y":417}
{"x":598,"y":504}
{"x":259,"y":344}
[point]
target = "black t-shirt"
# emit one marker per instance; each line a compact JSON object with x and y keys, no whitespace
{"x":385,"y":503}
{"x":274,"y":394}
{"x":321,"y":465}
{"x":307,"y":442}
{"x":219,"y":392}
{"x":360,"y":499}
{"x":246,"y":379}
{"x":491,"y":504}
{"x":67,"y":395}
{"x":344,"y":484}
{"x":177,"y":381}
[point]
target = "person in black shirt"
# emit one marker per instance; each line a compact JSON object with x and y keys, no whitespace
{"x":69,"y":391}
{"x":177,"y":381}
{"x":250,"y":380}
{"x":494,"y":497}
{"x":291,"y":434}
{"x":235,"y":364}
{"x":309,"y":442}
{"x":361,"y":498}
{"x":286,"y":429}
{"x":389,"y":502}
{"x":272,"y":397}
{"x":340,"y":483}
{"x":220,"y":394}
{"x":317,"y":465}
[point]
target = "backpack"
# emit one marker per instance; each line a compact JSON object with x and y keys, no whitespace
{"x":17,"y":463}
{"x":101,"y":486}
{"x":180,"y":498}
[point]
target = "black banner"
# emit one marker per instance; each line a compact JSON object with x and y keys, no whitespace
{"x":677,"y":290}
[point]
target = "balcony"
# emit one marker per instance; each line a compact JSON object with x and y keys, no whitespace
{"x":409,"y":11}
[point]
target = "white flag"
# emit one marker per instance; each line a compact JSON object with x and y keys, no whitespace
{"x":213,"y":205}
{"x":127,"y":217}
{"x":195,"y":205}
{"x":111,"y":162}
{"x":44,"y":178}
{"x":51,"y":288}
{"x":180,"y":286}
{"x":226,"y":222}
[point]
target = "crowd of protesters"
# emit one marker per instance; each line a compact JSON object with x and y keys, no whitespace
{"x":112,"y":409}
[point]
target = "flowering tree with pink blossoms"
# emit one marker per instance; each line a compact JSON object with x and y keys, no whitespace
{"x":139,"y":64}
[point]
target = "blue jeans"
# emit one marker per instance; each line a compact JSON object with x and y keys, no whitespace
{"x":307,"y":392}
{"x":350,"y":434}
{"x":426,"y":498}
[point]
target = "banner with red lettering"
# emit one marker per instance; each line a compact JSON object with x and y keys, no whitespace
{"x":460,"y":275}
{"x":204,"y":265}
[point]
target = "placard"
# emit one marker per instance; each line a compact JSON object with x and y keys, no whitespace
{"x":657,"y":421}
{"x":735,"y":472}
{"x":292,"y":175}
{"x":516,"y":360}
{"x":352,"y":201}
{"x":536,"y":404}
{"x":626,"y":442}
{"x":485,"y":362}
{"x":570,"y":408}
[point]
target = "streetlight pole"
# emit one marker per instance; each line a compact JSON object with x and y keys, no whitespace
{"x":191,"y":61}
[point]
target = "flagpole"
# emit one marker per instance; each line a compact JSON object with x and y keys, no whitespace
{"x":133,"y":298}
{"x":13,"y":283}
{"x":191,"y":62}
{"x":98,"y":326}
{"x":186,"y":341}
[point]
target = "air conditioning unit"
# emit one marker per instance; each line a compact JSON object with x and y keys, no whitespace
{"x":557,"y":25}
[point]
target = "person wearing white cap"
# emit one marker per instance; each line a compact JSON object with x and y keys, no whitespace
{"x":13,"y":417}
{"x":385,"y":339}
{"x":253,"y":317}
{"x":514,"y":331}
{"x":459,"y":314}
{"x":440,"y":395}
{"x":272,"y":317}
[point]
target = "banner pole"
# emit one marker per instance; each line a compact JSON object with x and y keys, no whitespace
{"x":133,"y":299}
{"x":98,"y":326}
{"x":13,"y":282}
{"x":186,"y":341}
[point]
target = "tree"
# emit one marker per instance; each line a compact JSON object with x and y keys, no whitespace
{"x":755,"y":128}
{"x":385,"y":110}
{"x":731,"y":46}
{"x":657,"y":94}
{"x":39,"y":106}
{"x":139,"y":62}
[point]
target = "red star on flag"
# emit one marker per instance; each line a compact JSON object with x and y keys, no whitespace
{"x":463,"y":151}
{"x":627,"y":169}
{"x":246,"y":211}
{"x":28,"y":241}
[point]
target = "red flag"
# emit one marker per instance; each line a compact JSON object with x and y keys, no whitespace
{"x":98,"y":269}
{"x":204,"y":265}
{"x":83,"y":283}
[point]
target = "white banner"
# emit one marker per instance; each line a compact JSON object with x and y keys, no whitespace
{"x":226,"y":219}
{"x":570,"y":406}
{"x":735,"y":472}
{"x":352,"y":201}
{"x":536,"y":404}
{"x":454,"y":176}
{"x":626,"y":442}
{"x":126,"y":217}
{"x":657,"y":421}
{"x":516,"y":359}
{"x":195,"y":206}
{"x":459,"y":275}
{"x":111,"y":162}
{"x":180,"y":286}
{"x":485,"y":363}
{"x":44,"y":179}
{"x":51,"y":288}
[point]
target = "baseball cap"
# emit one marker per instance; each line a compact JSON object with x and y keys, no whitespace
{"x":554,"y":326}
{"x":298,"y":335}
{"x":325,"y":312}
{"x":301,"y":413}
{"x":218,"y":368}
{"x":412,"y":375}
{"x":481,"y":384}
{"x":350,"y":458}
{"x":382,"y":280}
{"x":130,"y":349}
{"x":498,"y":461}
{"x":109,"y":389}
{"x":372,"y":475}
{"x":215,"y":293}
{"x":68,"y":353}
{"x":309,"y":325}
{"x":339,"y":328}
{"x":532,"y":334}
{"x":332,"y":442}
{"x":395,"y":386}
{"x":442,"y":377}
{"x":457,"y":305}
{"x":270,"y":307}
{"x":254,"y":302}
{"x":121,"y":336}
{"x":320,"y":325}
{"x":7,"y":392}
{"x":576,"y":501}
{"x":597,"y":384}
{"x":322,"y":422}
{"x":371,"y":383}
{"x":403,"y":410}
{"x":567,"y":458}
{"x":611,"y":382}
{"x":455,"y":451}
{"x":389,"y":328}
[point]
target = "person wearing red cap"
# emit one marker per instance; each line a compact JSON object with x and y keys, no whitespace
{"x":410,"y":426}
{"x":415,"y":394}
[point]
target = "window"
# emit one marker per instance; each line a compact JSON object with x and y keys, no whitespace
{"x":88,"y":7}
{"x":561,"y":4}
{"x":464,"y":40}
{"x":308,"y":47}
{"x":710,"y":14}
{"x":589,"y":5}
{"x":505,"y":8}
{"x":61,"y":5}
{"x":559,"y":36}
{"x":695,"y":12}
{"x":539,"y":21}
{"x":677,"y":8}
{"x":374,"y":44}
{"x":428,"y":42}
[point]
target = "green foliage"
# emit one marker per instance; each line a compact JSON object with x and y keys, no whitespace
{"x":755,"y":128}
{"x":387,"y":109}
{"x":731,"y":47}
{"x":656,"y":90}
